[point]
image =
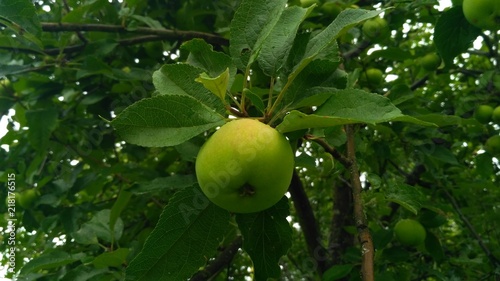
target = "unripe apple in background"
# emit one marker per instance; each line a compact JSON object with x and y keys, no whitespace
{"x":376,"y":29}
{"x":430,"y":62}
{"x":495,"y":115}
{"x":373,"y":76}
{"x":484,"y":14}
{"x":246,"y":166}
{"x":483,"y":113}
{"x":492,"y":145}
{"x":410,"y":232}
{"x":332,"y":9}
{"x":26,"y":198}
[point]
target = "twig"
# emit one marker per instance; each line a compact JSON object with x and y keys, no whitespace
{"x":308,"y":223}
{"x":469,"y":226}
{"x":364,"y":236}
{"x":78,"y":33}
{"x":340,"y":240}
{"x":123,"y":42}
{"x":222,"y":260}
{"x":419,"y":82}
{"x":162,"y":32}
{"x":331,"y":150}
{"x":414,"y":178}
{"x":357,"y":50}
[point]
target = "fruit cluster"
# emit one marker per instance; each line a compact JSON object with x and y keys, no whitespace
{"x":485,"y":114}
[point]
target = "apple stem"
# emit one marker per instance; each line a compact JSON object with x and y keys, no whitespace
{"x":247,"y":190}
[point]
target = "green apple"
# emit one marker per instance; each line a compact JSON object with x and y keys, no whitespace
{"x":332,"y":9}
{"x":495,"y":116}
{"x":430,"y":62}
{"x":26,"y":198}
{"x":484,"y":14}
{"x":376,"y":29}
{"x":410,"y":232}
{"x":483,"y":113}
{"x":373,"y":76}
{"x":246,"y":166}
{"x":492,"y":145}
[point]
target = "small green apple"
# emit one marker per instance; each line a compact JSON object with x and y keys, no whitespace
{"x":376,"y":29}
{"x":26,"y":198}
{"x":492,"y":145}
{"x":430,"y":62}
{"x":483,"y":113}
{"x":246,"y":166}
{"x":495,"y":116}
{"x":332,"y":9}
{"x":484,"y":14}
{"x":373,"y":76}
{"x":410,"y":232}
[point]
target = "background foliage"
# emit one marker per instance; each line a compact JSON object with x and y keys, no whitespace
{"x":120,"y":200}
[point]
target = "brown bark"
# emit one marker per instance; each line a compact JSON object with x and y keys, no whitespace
{"x":308,"y":223}
{"x":364,"y":236}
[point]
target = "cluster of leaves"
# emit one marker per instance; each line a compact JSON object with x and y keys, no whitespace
{"x":124,"y":204}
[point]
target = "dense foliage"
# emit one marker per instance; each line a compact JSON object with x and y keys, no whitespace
{"x":107,"y":103}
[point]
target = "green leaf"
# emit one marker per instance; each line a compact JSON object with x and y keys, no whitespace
{"x":401,"y":93}
{"x":453,"y":34}
{"x":100,"y":223}
{"x":130,"y":74}
{"x":99,"y":227}
{"x":346,"y":19}
{"x":348,"y":107}
{"x":255,"y":98}
{"x":217,"y":85}
{"x":484,"y":165}
{"x":202,"y":55}
{"x":114,"y":259}
{"x":148,"y":21}
{"x":119,"y":205}
{"x":395,"y":254}
{"x":159,"y":184}
{"x":407,"y":196}
{"x":100,"y":48}
{"x":314,"y":84}
{"x":442,"y":154}
{"x":187,"y":234}
{"x":85,"y":236}
{"x":275,"y":50}
{"x":83,"y":273}
{"x":179,"y":79}
{"x":165,"y":120}
{"x":12,"y":69}
{"x":20,"y":15}
{"x":251,"y":25}
{"x":267,"y":236}
{"x":79,"y":12}
{"x":337,"y":272}
{"x":93,"y":66}
{"x":41,"y":123}
{"x":325,"y":38}
{"x":433,"y":246}
{"x":446,"y":120}
{"x":50,"y":259}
